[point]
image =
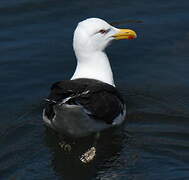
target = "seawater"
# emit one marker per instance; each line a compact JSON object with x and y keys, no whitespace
{"x":151,"y":72}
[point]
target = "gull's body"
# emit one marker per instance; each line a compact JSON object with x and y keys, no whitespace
{"x":89,"y":102}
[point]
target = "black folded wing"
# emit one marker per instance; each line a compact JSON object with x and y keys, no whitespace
{"x":99,"y":100}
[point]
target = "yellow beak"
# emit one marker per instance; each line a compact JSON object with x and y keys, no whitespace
{"x":125,"y":34}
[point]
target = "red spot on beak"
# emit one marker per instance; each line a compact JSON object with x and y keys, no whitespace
{"x":131,"y":37}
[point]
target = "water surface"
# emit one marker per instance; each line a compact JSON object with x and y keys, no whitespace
{"x":151,"y":72}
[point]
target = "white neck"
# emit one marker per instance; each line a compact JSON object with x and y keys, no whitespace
{"x":93,"y":65}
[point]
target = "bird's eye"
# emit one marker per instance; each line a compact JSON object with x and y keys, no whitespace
{"x":104,"y":31}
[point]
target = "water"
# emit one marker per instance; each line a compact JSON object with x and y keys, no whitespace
{"x":151,"y":72}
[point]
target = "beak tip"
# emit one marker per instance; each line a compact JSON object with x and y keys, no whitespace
{"x":132,"y":37}
{"x":125,"y":34}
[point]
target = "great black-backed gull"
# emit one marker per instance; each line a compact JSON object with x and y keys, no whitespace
{"x":89,"y":102}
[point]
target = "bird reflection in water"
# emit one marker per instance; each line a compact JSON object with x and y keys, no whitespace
{"x":66,"y":156}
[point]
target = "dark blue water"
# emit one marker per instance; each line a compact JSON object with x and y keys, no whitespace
{"x":151,"y":72}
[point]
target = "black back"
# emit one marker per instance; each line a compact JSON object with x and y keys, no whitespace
{"x":101,"y":100}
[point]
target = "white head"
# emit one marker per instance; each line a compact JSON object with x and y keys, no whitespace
{"x":91,"y":37}
{"x":95,"y":34}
